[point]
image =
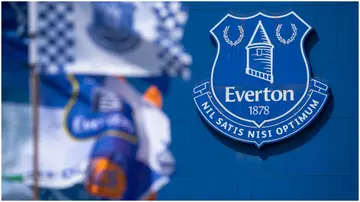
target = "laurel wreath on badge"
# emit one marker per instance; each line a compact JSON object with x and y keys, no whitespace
{"x":291,"y":39}
{"x":238,"y":40}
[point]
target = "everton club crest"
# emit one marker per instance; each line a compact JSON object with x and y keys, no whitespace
{"x":260,"y":90}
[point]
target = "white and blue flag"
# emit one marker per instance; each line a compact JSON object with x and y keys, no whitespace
{"x":132,"y":39}
{"x":94,"y":129}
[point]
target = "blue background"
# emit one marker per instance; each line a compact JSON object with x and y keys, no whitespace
{"x":321,"y":162}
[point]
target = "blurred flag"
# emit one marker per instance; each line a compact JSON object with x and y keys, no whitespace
{"x":132,"y":39}
{"x":93,"y":129}
{"x":103,"y":173}
{"x":99,"y":130}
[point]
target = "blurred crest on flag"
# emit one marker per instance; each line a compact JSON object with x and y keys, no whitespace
{"x":131,"y":39}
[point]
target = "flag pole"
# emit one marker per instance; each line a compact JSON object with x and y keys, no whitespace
{"x":34,"y":93}
{"x":35,"y":129}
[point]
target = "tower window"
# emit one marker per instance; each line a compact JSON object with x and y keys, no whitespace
{"x":259,"y":52}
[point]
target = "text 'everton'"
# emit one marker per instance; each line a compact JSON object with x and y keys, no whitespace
{"x":233,"y":95}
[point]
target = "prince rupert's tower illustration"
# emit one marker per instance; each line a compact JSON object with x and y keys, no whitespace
{"x":259,"y":55}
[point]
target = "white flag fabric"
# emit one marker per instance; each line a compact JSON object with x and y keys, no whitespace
{"x":132,"y":39}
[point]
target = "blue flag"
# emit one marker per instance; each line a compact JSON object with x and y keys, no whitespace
{"x":97,"y":130}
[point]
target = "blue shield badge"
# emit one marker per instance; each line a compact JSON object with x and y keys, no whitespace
{"x":260,"y":88}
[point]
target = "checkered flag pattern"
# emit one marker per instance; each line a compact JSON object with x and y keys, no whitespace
{"x":55,"y":37}
{"x":172,"y":19}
